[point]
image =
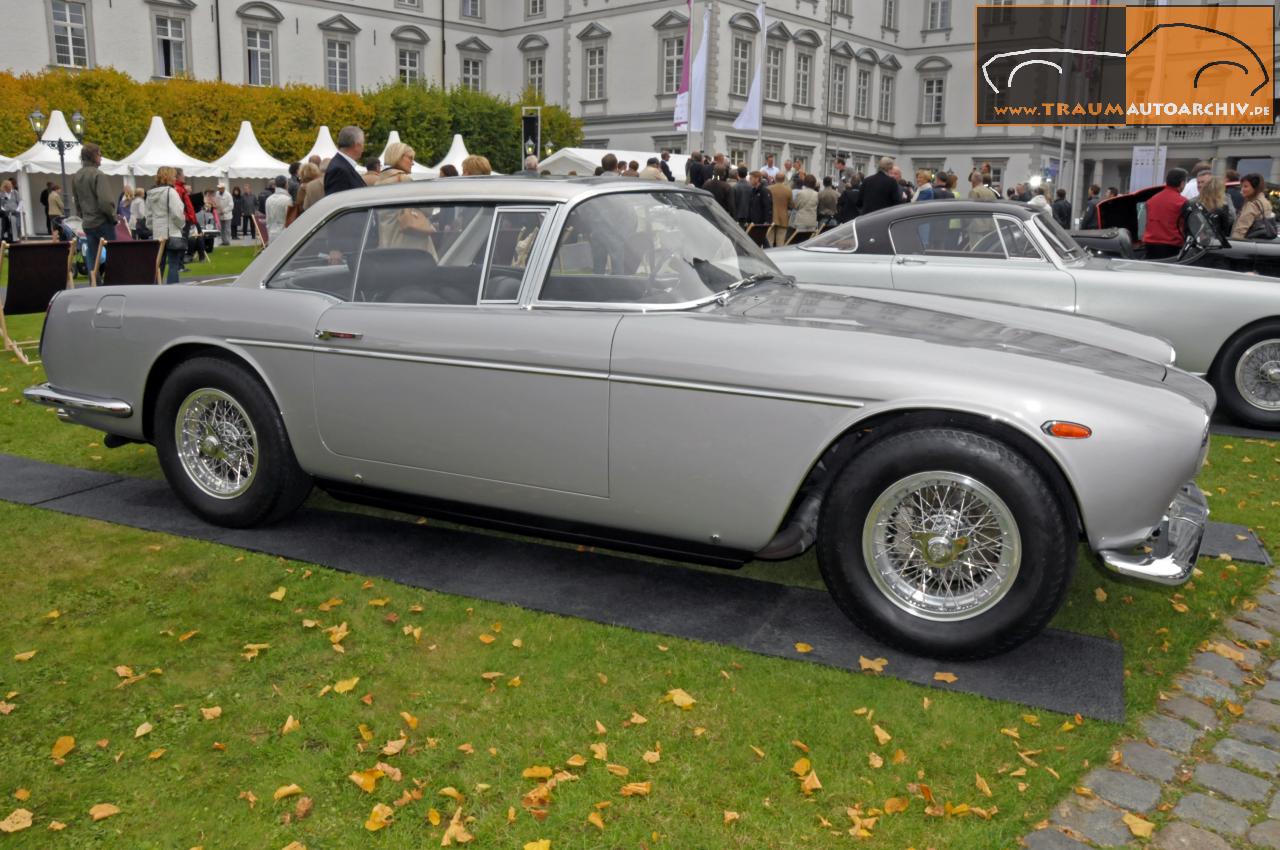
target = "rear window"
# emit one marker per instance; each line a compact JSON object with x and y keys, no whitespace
{"x":841,"y":238}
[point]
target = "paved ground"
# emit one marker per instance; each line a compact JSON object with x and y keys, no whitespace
{"x":1209,"y":767}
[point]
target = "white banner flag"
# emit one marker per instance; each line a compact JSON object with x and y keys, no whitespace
{"x":681,"y":117}
{"x":753,"y":113}
{"x":698,"y":78}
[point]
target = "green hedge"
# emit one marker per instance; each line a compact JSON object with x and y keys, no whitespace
{"x":203,"y":116}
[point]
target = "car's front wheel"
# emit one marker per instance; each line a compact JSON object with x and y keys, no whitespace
{"x":1247,"y":376}
{"x":223,"y":446}
{"x":945,"y":543}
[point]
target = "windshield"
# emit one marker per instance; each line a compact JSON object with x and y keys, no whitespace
{"x":650,"y":248}
{"x":1062,"y":242}
{"x":841,"y":238}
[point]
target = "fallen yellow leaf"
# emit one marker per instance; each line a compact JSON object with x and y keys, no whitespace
{"x":600,"y":750}
{"x":810,"y":783}
{"x":433,"y":817}
{"x":801,"y":767}
{"x":366,"y":780}
{"x":1099,"y":594}
{"x":58,"y":826}
{"x":62,"y":746}
{"x":379,"y":817}
{"x":893,"y":805}
{"x":874,"y":664}
{"x":487,"y":638}
{"x":575,"y":760}
{"x":882,"y":736}
{"x":637,"y":789}
{"x":393,"y":747}
{"x":452,"y":793}
{"x":102,"y":811}
{"x":22,"y":795}
{"x":155,"y":754}
{"x":595,"y":820}
{"x":982,"y":784}
{"x":144,"y":729}
{"x":1140,"y":827}
{"x":540,"y":844}
{"x":345,"y":686}
{"x":730,"y":817}
{"x":537,"y":772}
{"x":278,"y":594}
{"x":617,"y":769}
{"x":679,"y":698}
{"x":875,"y":760}
{"x":409,"y":719}
{"x":803,"y":648}
{"x":212,"y":713}
{"x":759,"y":752}
{"x":18,"y":820}
{"x":25,"y":656}
{"x":290,"y":725}
{"x":286,"y":791}
{"x":949,"y":678}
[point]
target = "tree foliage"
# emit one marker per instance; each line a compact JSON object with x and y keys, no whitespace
{"x":203,"y":116}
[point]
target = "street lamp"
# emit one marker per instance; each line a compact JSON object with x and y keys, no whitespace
{"x":39,"y":123}
{"x":549,"y":149}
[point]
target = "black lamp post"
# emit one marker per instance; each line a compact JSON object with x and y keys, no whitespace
{"x":39,"y":123}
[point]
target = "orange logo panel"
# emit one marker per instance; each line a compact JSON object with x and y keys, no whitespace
{"x":1200,"y":65}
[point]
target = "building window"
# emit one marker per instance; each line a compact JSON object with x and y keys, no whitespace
{"x":337,"y":64}
{"x":804,"y":70}
{"x":258,"y":45}
{"x":740,"y":71}
{"x":886,"y":98}
{"x":840,"y":7}
{"x":739,"y":154}
{"x":773,"y":73}
{"x":1002,"y":15}
{"x":171,"y":47}
{"x":840,"y":88}
{"x":70,"y":35}
{"x":472,"y":9}
{"x":937,"y":15}
{"x":409,"y":64}
{"x":934,"y":97}
{"x":862,"y":100}
{"x":672,"y":63}
{"x":473,"y":74}
{"x":535,"y":75}
{"x":889,"y":18}
{"x":595,"y":73}
{"x":535,"y":8}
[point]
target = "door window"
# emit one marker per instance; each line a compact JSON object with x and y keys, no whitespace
{"x":326,"y":261}
{"x":1016,"y":242}
{"x":955,"y":235}
{"x":425,"y":254}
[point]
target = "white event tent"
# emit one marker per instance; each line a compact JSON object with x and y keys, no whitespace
{"x":586,"y":160}
{"x":42,"y":159}
{"x":457,"y":153}
{"x":246,"y":158}
{"x":157,"y":150}
{"x":324,"y":146}
{"x":419,"y":170}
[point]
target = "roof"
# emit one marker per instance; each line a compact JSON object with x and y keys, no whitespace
{"x":892,"y":214}
{"x":157,"y":150}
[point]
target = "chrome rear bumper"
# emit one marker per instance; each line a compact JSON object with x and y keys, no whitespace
{"x":47,"y":395}
{"x":1169,"y":555}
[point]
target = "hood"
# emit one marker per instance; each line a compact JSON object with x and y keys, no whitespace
{"x":1150,"y":268}
{"x":898,"y":318}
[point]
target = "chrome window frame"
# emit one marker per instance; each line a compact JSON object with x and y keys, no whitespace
{"x":499,"y":211}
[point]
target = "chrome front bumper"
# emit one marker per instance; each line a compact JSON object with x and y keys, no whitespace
{"x":1169,"y":555}
{"x":65,"y":401}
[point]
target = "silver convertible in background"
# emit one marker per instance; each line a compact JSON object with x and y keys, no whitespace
{"x":615,"y":361}
{"x":1224,"y":325}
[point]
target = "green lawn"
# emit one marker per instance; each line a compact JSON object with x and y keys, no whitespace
{"x":125,"y":597}
{"x":223,"y":261}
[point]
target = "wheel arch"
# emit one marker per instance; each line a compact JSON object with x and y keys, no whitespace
{"x":1233,"y":336}
{"x":177,"y":354}
{"x":798,"y":529}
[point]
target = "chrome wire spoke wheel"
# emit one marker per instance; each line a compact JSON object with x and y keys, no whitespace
{"x":1258,"y":375}
{"x":942,"y":546}
{"x":217,"y":444}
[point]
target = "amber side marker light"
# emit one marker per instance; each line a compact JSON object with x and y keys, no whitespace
{"x":1066,"y":430}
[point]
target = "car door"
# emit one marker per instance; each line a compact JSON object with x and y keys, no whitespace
{"x":976,"y":255}
{"x":433,"y":367}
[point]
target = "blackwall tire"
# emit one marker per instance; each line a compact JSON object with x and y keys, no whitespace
{"x":946,"y":543}
{"x":1247,"y":376}
{"x":223,"y":446}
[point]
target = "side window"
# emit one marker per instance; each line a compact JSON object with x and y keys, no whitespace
{"x":514,"y":235}
{"x":326,"y":261}
{"x":425,"y":254}
{"x":959,"y":235}
{"x":1016,"y":242}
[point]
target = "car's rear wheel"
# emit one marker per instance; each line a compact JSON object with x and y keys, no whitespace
{"x":945,"y":543}
{"x":1247,"y":376}
{"x":223,"y":446}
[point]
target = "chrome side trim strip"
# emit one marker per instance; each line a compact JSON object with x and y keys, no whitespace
{"x":47,"y":395}
{"x":585,"y":374}
{"x":730,"y":389}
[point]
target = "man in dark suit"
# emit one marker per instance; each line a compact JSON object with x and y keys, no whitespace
{"x":720,"y":189}
{"x":341,"y":173}
{"x":666,"y":168}
{"x":879,"y":190}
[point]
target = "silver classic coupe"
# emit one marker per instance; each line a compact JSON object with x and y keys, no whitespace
{"x":1224,"y":325}
{"x":614,"y":361}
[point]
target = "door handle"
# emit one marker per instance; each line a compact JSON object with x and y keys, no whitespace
{"x":912,"y":261}
{"x":338,"y":335}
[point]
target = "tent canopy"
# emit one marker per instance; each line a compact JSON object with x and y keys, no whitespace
{"x":246,"y":158}
{"x":158,"y":150}
{"x":7,"y":165}
{"x":324,"y":146}
{"x":457,"y":153}
{"x":419,"y":170}
{"x":586,"y":160}
{"x":42,"y":159}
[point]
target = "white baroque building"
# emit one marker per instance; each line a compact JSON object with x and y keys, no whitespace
{"x":858,"y":78}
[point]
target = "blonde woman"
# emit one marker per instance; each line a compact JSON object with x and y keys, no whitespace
{"x":311,"y":187}
{"x":165,"y":218}
{"x":407,"y":227}
{"x":1220,"y":212}
{"x":475,"y":165}
{"x":138,"y":215}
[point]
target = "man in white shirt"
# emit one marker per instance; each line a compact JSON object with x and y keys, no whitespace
{"x":277,"y":208}
{"x":1191,"y":191}
{"x":222,"y":200}
{"x":769,"y":169}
